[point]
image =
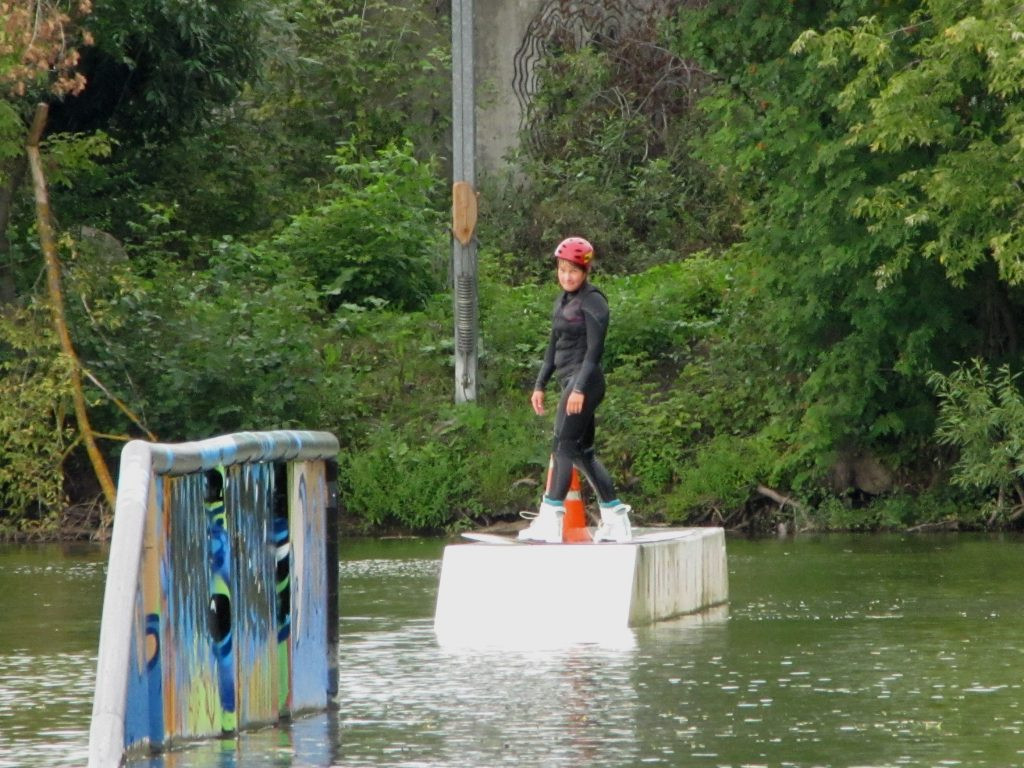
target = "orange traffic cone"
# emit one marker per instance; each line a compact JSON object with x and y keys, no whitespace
{"x":574,"y":523}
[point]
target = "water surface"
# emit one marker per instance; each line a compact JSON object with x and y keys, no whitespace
{"x":834,"y":651}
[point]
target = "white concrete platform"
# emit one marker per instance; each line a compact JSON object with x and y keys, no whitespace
{"x":582,"y":592}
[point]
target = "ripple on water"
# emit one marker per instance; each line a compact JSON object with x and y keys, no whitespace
{"x":390,"y":568}
{"x":53,"y":689}
{"x":829,"y":656}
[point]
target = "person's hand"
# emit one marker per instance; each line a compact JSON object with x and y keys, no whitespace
{"x":575,"y":403}
{"x":537,"y":401}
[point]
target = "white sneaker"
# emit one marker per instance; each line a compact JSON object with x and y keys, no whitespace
{"x":615,"y":524}
{"x":546,"y":526}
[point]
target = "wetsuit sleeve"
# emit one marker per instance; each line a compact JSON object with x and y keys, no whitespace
{"x":548,"y":366}
{"x":595,"y":315}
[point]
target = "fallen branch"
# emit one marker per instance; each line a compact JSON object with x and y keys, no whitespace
{"x":779,"y":498}
{"x":939,"y":525}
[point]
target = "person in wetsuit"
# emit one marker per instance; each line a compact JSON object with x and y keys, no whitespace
{"x":578,"y":327}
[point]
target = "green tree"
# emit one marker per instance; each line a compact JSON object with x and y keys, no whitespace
{"x":160,"y":75}
{"x":938,"y":92}
{"x":249,"y":101}
{"x":159,"y":67}
{"x":39,"y":53}
{"x":330,"y":72}
{"x":35,"y":393}
{"x":377,"y":237}
{"x":861,"y":248}
{"x":607,"y":151}
{"x":193,"y":352}
{"x":372,"y":72}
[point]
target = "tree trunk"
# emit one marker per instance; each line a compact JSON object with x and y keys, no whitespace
{"x":48,"y":243}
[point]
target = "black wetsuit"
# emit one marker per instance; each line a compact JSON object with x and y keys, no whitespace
{"x":578,"y":327}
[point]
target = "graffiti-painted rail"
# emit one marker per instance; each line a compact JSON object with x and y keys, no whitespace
{"x":220,"y":607}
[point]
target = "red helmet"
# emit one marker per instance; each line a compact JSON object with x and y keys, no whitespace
{"x":575,"y":250}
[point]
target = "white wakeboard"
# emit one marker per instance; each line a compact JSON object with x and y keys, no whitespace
{"x":491,"y":538}
{"x":643,"y":538}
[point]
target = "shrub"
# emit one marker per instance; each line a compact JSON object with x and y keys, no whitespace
{"x":981,"y":415}
{"x":722,"y":476}
{"x":34,"y":393}
{"x":197,"y":353}
{"x":659,"y":314}
{"x":468,"y":466}
{"x":379,"y":235}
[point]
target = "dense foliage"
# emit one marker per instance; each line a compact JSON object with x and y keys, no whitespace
{"x":875,"y":153}
{"x":608,"y":150}
{"x":807,"y":217}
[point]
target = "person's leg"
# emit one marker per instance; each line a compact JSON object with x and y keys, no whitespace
{"x":574,"y":446}
{"x":547,"y":524}
{"x":615,"y":525}
{"x":593,"y":470}
{"x":596,"y":474}
{"x":574,"y":432}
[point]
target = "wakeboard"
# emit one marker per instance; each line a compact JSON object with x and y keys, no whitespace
{"x":491,"y":538}
{"x":646,"y":537}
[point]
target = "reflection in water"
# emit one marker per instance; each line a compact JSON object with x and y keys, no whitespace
{"x":834,"y":651}
{"x":49,"y":626}
{"x":419,"y":704}
{"x":44,"y":700}
{"x":307,"y":742}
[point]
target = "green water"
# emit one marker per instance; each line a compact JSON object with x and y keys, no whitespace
{"x":50,"y":600}
{"x":834,"y":651}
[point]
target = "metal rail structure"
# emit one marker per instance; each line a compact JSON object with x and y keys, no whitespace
{"x":464,"y":203}
{"x":220,"y":611}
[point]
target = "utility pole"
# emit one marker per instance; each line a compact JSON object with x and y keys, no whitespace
{"x":464,"y":203}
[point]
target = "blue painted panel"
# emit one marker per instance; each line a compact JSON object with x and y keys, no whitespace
{"x":136,"y":720}
{"x":309,"y":651}
{"x":248,"y":506}
{"x":282,"y":586}
{"x":144,"y":711}
{"x":224,"y":612}
{"x":333,"y":600}
{"x":191,"y":697}
{"x":218,"y":553}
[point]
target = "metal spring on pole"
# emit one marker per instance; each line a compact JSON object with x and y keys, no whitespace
{"x":465,"y":314}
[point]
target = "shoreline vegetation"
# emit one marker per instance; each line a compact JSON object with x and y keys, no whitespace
{"x":806,"y":218}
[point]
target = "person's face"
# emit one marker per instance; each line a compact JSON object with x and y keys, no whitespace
{"x":570,"y":277}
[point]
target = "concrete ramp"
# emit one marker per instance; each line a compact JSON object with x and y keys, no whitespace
{"x":494,"y":592}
